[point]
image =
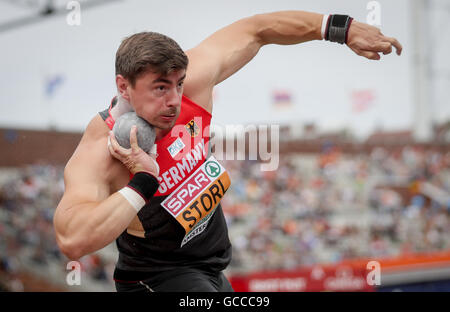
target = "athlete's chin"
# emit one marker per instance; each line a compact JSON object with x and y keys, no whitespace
{"x":166,"y":124}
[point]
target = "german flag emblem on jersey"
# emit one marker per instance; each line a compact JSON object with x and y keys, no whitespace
{"x":192,"y":128}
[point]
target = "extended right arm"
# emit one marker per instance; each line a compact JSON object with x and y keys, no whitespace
{"x":229,"y":49}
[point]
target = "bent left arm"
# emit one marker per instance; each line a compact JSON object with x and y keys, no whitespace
{"x":226,"y":51}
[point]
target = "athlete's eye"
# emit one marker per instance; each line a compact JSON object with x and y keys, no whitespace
{"x":160,"y":90}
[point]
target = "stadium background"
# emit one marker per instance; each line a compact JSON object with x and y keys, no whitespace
{"x":364,"y":163}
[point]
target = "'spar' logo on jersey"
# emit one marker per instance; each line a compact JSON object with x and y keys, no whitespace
{"x":212,"y":168}
{"x":194,"y":202}
{"x":192,"y":128}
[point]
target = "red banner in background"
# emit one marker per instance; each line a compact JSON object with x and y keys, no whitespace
{"x":317,"y":278}
{"x":348,"y":275}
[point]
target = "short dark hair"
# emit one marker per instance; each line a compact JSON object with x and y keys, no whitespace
{"x":149,"y":51}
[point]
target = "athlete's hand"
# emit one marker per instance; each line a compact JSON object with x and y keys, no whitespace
{"x":134,"y":158}
{"x":368,"y":41}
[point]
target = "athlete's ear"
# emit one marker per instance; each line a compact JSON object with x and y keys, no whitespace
{"x":122,"y":87}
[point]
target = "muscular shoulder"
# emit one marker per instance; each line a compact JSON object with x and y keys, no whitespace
{"x":96,"y":130}
{"x":91,"y":162}
{"x":219,"y":56}
{"x":199,"y":84}
{"x":93,"y":139}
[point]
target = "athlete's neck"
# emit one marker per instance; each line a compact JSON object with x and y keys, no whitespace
{"x":160,"y":133}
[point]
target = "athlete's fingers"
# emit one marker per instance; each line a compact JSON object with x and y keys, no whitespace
{"x":111,"y":149}
{"x":389,"y":50}
{"x":115,"y":146}
{"x":153,"y":157}
{"x":367,"y":54}
{"x":133,"y":139}
{"x":385,"y":47}
{"x":154,"y":151}
{"x":395,"y":43}
{"x":153,"y":154}
{"x":370,"y":55}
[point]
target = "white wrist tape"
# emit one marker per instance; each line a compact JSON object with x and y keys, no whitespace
{"x":324,"y":25}
{"x":133,"y":198}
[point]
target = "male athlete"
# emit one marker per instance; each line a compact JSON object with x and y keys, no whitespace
{"x":163,"y":209}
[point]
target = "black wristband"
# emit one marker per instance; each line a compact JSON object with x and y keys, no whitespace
{"x":145,"y":184}
{"x":337,"y":28}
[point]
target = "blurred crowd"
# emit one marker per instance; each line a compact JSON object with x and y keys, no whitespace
{"x":329,"y":207}
{"x":315,"y":208}
{"x":28,"y":198}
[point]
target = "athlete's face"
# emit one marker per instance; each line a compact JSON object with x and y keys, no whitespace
{"x":157,"y":98}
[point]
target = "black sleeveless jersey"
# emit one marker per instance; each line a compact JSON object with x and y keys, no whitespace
{"x":183,"y":222}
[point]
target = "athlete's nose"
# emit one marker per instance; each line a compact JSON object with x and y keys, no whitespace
{"x":173,"y":98}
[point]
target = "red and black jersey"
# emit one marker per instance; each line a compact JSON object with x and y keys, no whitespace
{"x":184,"y":222}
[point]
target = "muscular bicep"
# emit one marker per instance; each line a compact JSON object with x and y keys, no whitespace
{"x":83,"y":184}
{"x":229,"y":49}
{"x":218,"y":57}
{"x":85,"y":179}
